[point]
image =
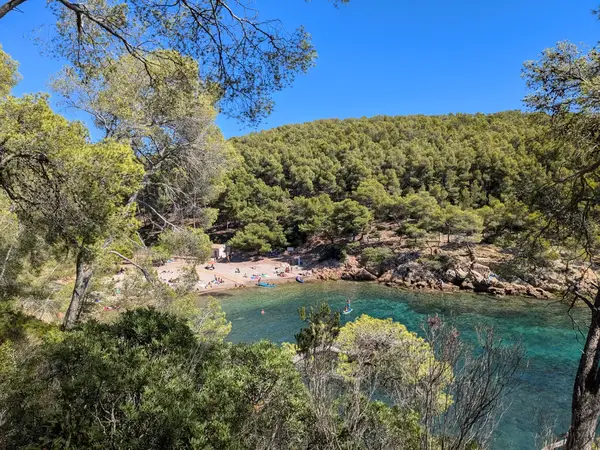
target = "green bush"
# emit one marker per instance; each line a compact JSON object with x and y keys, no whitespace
{"x":437,"y":263}
{"x":148,"y":382}
{"x":353,"y":248}
{"x":377,"y":259}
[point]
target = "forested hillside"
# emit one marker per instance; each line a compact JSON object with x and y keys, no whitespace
{"x":385,"y":164}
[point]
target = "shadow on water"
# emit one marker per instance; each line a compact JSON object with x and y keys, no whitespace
{"x":552,"y":345}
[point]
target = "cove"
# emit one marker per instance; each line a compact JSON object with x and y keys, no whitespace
{"x":553,"y":343}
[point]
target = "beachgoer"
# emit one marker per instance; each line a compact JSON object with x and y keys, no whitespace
{"x":262,"y":311}
{"x":245,"y":275}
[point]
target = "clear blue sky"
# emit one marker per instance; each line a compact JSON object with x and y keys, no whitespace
{"x":393,"y":57}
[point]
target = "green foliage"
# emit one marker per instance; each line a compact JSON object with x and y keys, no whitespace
{"x":347,"y":367}
{"x":353,"y":248}
{"x":8,"y":73}
{"x":418,"y":214}
{"x":208,"y":321}
{"x":372,"y":194}
{"x":259,"y":238}
{"x":64,"y":189}
{"x":159,"y":255}
{"x":323,"y":328}
{"x":243,"y":70}
{"x":437,"y":263}
{"x":311,"y":215}
{"x":256,"y":400}
{"x":124,"y":367}
{"x":167,"y":119}
{"x":502,"y":219}
{"x":408,"y":169}
{"x":16,"y":326}
{"x":146,"y":381}
{"x":565,"y":83}
{"x":457,"y":221}
{"x":372,"y":349}
{"x":348,"y":219}
{"x":189,"y":242}
{"x":76,"y":193}
{"x":320,"y":215}
{"x":247,"y":200}
{"x":376,"y":259}
{"x":13,"y":247}
{"x":393,"y":427}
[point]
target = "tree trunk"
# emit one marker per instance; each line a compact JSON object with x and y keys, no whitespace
{"x":82,"y":280}
{"x":585,"y":408}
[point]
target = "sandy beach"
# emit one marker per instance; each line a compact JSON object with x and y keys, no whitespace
{"x":230,"y":275}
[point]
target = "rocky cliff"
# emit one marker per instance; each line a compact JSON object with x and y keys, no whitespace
{"x":477,"y":268}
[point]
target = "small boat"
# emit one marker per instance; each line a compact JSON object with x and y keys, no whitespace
{"x":267,"y":285}
{"x":299,"y":279}
{"x":344,"y":311}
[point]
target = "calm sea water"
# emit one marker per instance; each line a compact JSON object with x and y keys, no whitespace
{"x":552,"y":342}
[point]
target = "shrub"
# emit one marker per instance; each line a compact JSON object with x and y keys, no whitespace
{"x":377,"y":258}
{"x":353,"y":248}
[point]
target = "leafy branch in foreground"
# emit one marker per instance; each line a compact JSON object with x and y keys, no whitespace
{"x":565,"y":83}
{"x":243,"y":58}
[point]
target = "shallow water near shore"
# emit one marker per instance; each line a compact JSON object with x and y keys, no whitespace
{"x":552,"y":343}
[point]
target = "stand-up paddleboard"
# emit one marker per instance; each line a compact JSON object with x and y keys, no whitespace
{"x":347,"y":309}
{"x":267,"y":285}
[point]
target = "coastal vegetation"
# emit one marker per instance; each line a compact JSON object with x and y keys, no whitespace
{"x":458,"y":175}
{"x":74,"y":210}
{"x":161,"y":180}
{"x":150,"y":374}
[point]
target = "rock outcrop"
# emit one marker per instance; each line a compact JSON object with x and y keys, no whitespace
{"x":470,"y":268}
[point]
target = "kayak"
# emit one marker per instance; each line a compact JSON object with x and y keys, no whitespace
{"x":267,"y":285}
{"x":299,"y":279}
{"x":347,"y":312}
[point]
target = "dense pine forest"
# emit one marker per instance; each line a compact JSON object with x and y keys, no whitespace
{"x":461,"y":159}
{"x":424,"y":172}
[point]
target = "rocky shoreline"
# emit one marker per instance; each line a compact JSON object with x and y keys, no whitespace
{"x":415,"y":278}
{"x":471,"y":270}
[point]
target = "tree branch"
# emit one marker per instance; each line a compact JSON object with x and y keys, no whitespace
{"x":81,"y":10}
{"x":175,"y":227}
{"x":583,"y":298}
{"x":9,"y":6}
{"x":147,"y":275}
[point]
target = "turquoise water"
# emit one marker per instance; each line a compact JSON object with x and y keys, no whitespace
{"x":552,"y":344}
